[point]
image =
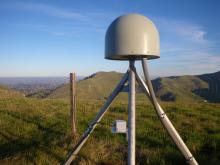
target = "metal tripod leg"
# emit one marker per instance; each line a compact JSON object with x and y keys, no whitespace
{"x":131,"y":116}
{"x":163,"y":118}
{"x":98,"y":118}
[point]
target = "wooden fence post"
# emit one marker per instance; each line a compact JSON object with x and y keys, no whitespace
{"x":73,"y":103}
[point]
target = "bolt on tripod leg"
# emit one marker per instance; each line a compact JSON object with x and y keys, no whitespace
{"x":131,"y":116}
{"x":162,"y":116}
{"x":98,"y":118}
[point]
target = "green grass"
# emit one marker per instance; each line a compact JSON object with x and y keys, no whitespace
{"x":6,"y":92}
{"x":97,"y":87}
{"x":181,"y":87}
{"x":34,"y":131}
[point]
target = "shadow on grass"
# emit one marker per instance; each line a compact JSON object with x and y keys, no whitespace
{"x":45,"y":139}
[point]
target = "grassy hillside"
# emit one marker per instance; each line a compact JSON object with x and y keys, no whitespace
{"x":97,"y":86}
{"x":212,"y":93}
{"x":178,"y":88}
{"x":40,"y":94}
{"x":6,"y":92}
{"x":34,"y":131}
{"x":186,"y":88}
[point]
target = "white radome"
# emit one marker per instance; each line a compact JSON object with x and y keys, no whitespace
{"x":132,"y":36}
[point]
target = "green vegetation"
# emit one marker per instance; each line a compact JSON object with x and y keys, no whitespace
{"x":6,"y":92}
{"x":34,"y":131}
{"x":97,"y":86}
{"x":39,"y":94}
{"x":179,"y":88}
{"x":37,"y":131}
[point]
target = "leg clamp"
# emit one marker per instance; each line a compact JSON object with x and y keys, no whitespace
{"x":190,"y":159}
{"x":162,"y":115}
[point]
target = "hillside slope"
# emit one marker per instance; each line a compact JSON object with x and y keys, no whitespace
{"x":178,"y":88}
{"x":175,"y":88}
{"x":212,"y":93}
{"x":198,"y":87}
{"x":96,"y":86}
{"x":6,"y":92}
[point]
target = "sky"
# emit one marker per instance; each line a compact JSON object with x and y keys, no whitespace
{"x":54,"y":37}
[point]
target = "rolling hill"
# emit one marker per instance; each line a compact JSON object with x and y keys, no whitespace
{"x":6,"y":92}
{"x":175,"y":88}
{"x":97,"y":86}
{"x":212,"y":93}
{"x":199,"y":87}
{"x":178,"y":88}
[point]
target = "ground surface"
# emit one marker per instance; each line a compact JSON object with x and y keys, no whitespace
{"x":34,"y":131}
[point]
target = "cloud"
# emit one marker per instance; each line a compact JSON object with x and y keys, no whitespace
{"x":198,"y":59}
{"x":72,"y":24}
{"x":192,"y":63}
{"x":185,"y":49}
{"x":84,"y":16}
{"x":51,"y":11}
{"x":188,"y":31}
{"x":181,"y":37}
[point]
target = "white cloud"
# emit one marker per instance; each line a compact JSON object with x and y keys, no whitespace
{"x":185,"y":49}
{"x":51,"y":10}
{"x":92,"y":22}
{"x":188,"y":31}
{"x":183,"y":64}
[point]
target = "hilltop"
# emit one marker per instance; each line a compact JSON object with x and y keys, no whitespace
{"x":175,"y":88}
{"x":178,"y":88}
{"x":199,"y":87}
{"x":97,"y":86}
{"x":212,"y":93}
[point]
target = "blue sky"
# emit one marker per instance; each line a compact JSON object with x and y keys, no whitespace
{"x":54,"y":37}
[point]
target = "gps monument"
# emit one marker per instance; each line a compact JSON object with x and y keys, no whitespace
{"x":133,"y":37}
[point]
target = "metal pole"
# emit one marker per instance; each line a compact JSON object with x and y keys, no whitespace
{"x":162,"y":116}
{"x":98,"y":118}
{"x":131,"y":116}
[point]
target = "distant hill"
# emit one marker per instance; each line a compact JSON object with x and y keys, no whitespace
{"x":33,"y":80}
{"x":6,"y":92}
{"x":175,"y":88}
{"x":198,"y":87}
{"x":178,"y":88}
{"x":37,"y":87}
{"x":32,"y":86}
{"x":212,"y":93}
{"x":96,"y":86}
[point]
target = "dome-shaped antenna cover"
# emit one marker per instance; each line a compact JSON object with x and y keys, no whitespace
{"x":132,"y":36}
